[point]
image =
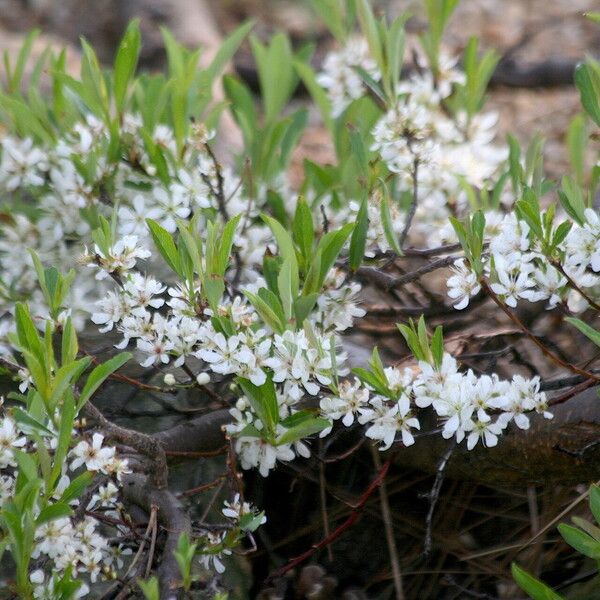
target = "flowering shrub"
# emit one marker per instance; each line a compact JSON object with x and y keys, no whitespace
{"x":227,"y":278}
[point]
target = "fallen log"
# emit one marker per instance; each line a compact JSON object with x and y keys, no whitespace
{"x":563,"y":450}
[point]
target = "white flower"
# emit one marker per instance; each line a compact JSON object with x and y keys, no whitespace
{"x":339,"y":77}
{"x":484,"y":430}
{"x":512,"y":287}
{"x":142,"y":291}
{"x":157,"y":349}
{"x":120,"y":258}
{"x":9,"y":439}
{"x":386,"y":421}
{"x":462,"y":285}
{"x":106,"y":495}
{"x":174,"y":206}
{"x":132,"y":219}
{"x":94,"y":455}
{"x":351,"y":397}
{"x":22,"y":164}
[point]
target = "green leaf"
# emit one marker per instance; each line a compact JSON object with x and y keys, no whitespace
{"x":27,"y":465}
{"x":77,"y":487}
{"x":359,"y":151}
{"x":561,"y":233}
{"x":165,"y":245}
{"x":587,"y":81}
{"x":99,"y":375}
{"x":67,"y":416}
{"x":242,"y":107}
{"x":29,"y":338}
{"x":318,"y":94}
{"x":69,"y":344}
{"x":304,"y":429}
{"x":369,"y":28}
{"x":437,"y":346}
{"x":250,"y":522}
{"x":52,"y":512}
{"x":303,"y":229}
{"x":126,"y":62}
{"x":571,"y":198}
{"x":358,"y":241}
{"x":286,"y":249}
{"x":15,"y":76}
{"x":284,"y":285}
{"x":66,"y":376}
{"x":303,"y":306}
{"x":581,"y":541}
{"x":26,"y":421}
{"x":263,"y":400}
{"x":330,"y":246}
{"x":227,"y":48}
{"x":576,"y":142}
{"x":194,"y":248}
{"x":275,"y":73}
{"x":330,"y":11}
{"x":536,"y":589}
{"x":588,"y":331}
{"x":150,"y":588}
{"x":268,"y":312}
{"x":595,"y":502}
{"x":226,"y":244}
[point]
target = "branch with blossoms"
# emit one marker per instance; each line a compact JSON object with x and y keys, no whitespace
{"x":227,"y":278}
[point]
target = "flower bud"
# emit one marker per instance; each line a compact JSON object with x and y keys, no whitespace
{"x":202,"y":378}
{"x":169,"y":379}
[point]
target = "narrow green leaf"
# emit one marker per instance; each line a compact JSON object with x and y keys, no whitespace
{"x":581,"y":541}
{"x":126,"y":62}
{"x":263,"y":400}
{"x":165,"y":245}
{"x":99,"y":375}
{"x":358,"y":241}
{"x":535,"y":588}
{"x":305,"y":429}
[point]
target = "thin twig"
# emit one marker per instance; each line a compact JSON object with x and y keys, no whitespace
{"x":336,"y":533}
{"x":434,"y":496}
{"x":386,"y":515}
{"x":545,"y":350}
{"x":152,"y":545}
{"x":573,"y":284}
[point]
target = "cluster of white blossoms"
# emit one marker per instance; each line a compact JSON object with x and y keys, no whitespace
{"x":419,"y":138}
{"x":471,"y":407}
{"x":68,"y":182}
{"x":136,"y":310}
{"x":301,"y":366}
{"x":340,"y":77}
{"x":79,"y":546}
{"x":70,"y":543}
{"x":517,"y":269}
{"x":240,"y":514}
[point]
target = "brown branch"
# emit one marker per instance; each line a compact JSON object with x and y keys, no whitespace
{"x":389,"y":282}
{"x":173,"y":518}
{"x":142,"y":442}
